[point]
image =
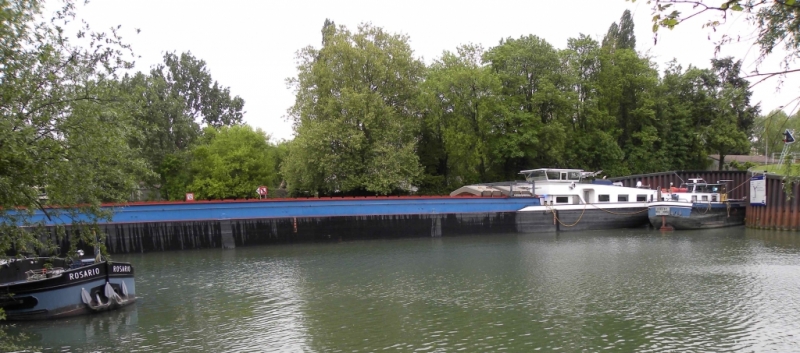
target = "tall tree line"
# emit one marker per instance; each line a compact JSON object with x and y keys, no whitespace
{"x":369,"y":117}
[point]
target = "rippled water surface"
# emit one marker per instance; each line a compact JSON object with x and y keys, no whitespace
{"x":634,"y":290}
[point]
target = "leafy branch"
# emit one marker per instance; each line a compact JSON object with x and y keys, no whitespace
{"x":776,"y":22}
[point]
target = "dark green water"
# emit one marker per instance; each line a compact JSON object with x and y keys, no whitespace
{"x":634,"y":290}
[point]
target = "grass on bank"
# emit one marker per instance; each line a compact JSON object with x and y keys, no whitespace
{"x":791,"y":169}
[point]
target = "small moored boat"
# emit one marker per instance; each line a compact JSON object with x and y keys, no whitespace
{"x":696,"y":205}
{"x":51,"y":287}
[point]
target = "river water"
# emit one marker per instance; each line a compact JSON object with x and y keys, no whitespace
{"x":731,"y":289}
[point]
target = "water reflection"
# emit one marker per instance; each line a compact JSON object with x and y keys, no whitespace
{"x":721,"y":290}
{"x":82,"y":331}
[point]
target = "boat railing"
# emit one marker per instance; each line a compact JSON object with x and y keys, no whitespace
{"x":507,"y":183}
{"x":526,"y":189}
{"x":44,"y":273}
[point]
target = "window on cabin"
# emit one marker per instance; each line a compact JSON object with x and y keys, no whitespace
{"x":562,"y":199}
{"x":622,"y":198}
{"x":537,"y":175}
{"x":641,"y":197}
{"x":603,"y":198}
{"x":705,"y":197}
{"x":574,"y":176}
{"x":553,"y":175}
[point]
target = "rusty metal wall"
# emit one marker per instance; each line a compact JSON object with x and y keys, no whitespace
{"x":738,"y":186}
{"x":781,"y":211}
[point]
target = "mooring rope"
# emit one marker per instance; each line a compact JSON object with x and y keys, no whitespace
{"x":740,"y":185}
{"x":555,"y":216}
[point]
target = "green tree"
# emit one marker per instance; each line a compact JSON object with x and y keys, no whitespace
{"x":729,"y":72}
{"x":206,"y":102}
{"x":463,"y":101}
{"x":730,"y":131}
{"x":626,"y":39}
{"x":582,"y":57}
{"x":626,"y":86}
{"x":593,"y":132}
{"x":705,"y":111}
{"x":165,"y":131}
{"x":532,"y":131}
{"x":683,"y":107}
{"x":776,"y":24}
{"x":176,"y":175}
{"x":621,"y":36}
{"x":768,"y":132}
{"x":355,"y":121}
{"x":723,"y":135}
{"x":170,"y":106}
{"x":62,"y":129}
{"x":231,"y":162}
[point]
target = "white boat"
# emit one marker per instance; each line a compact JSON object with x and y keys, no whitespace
{"x":696,"y":205}
{"x":572,"y":199}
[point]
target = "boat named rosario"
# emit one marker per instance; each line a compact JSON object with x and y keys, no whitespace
{"x":51,"y":287}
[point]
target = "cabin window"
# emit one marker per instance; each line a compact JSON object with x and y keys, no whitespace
{"x":574,"y":176}
{"x":562,"y":199}
{"x":622,"y":198}
{"x":641,"y":197}
{"x":553,"y":175}
{"x":694,"y":198}
{"x":603,"y":198}
{"x":705,"y":197}
{"x":537,"y":175}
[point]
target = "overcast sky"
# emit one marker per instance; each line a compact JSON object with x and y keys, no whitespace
{"x":250,"y":46}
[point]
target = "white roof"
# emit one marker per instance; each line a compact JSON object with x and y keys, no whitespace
{"x":558,"y":169}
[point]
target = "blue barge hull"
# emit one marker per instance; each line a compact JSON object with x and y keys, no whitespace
{"x":146,"y":227}
{"x":299,"y":208}
{"x":686,"y":216}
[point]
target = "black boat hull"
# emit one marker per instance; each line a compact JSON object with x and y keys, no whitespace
{"x":563,"y":218}
{"x":78,"y":291}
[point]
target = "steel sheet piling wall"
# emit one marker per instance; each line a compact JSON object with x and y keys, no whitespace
{"x":777,"y":198}
{"x":793,"y":212}
{"x":231,"y":233}
{"x":781,"y":211}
